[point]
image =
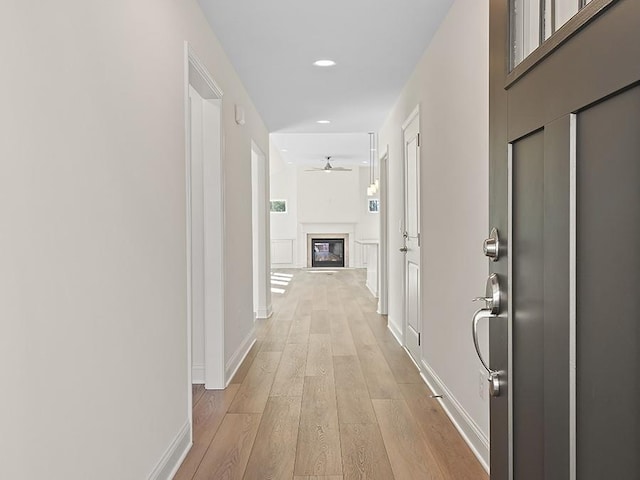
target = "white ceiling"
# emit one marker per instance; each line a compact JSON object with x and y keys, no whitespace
{"x":273,"y":43}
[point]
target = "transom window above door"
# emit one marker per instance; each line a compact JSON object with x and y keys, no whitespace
{"x":534,"y":21}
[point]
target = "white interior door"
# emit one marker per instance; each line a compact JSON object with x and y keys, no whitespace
{"x":411,"y":249}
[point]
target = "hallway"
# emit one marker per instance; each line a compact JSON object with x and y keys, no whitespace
{"x":325,"y":393}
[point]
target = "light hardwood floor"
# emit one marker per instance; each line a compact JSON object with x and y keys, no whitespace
{"x":325,"y":393}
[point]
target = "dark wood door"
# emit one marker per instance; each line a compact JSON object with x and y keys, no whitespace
{"x":565,"y":196}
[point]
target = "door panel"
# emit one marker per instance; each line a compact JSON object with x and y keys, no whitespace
{"x":412,"y":186}
{"x":608,"y":289}
{"x":541,"y":349}
{"x":528,"y":285}
{"x":571,"y":265}
{"x":413,"y":298}
{"x":412,"y":309}
{"x":558,"y":157}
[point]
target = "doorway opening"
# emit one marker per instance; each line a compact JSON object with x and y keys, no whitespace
{"x":260,"y":234}
{"x":204,"y":225}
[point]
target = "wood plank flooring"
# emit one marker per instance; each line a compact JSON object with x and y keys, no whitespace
{"x":326,"y":393}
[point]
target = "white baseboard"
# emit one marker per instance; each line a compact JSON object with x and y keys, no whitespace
{"x":395,"y":330}
{"x":197,"y":374}
{"x":371,"y":290}
{"x":264,"y":312}
{"x":238,"y":357}
{"x":465,"y":425}
{"x":174,"y":455}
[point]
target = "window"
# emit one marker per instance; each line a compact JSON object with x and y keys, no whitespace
{"x":374,"y":205}
{"x":278,"y":206}
{"x":534,"y":21}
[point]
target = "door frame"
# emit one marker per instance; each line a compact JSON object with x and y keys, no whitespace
{"x":414,"y":113}
{"x":197,"y":76}
{"x":383,"y":270}
{"x":261,"y":239}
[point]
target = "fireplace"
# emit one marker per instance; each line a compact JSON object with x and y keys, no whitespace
{"x":329,"y":237}
{"x":327,"y":252}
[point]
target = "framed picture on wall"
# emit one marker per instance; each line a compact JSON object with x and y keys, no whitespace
{"x":374,"y":205}
{"x":278,"y":206}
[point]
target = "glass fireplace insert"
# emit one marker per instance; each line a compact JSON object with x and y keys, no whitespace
{"x":327,"y":252}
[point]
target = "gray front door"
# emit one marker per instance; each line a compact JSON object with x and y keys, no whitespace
{"x":565,"y":197}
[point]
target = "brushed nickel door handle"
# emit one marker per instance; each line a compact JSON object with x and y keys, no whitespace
{"x":490,"y":310}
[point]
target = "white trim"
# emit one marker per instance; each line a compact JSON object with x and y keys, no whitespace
{"x":412,"y":115}
{"x":463,"y":422}
{"x":239,"y":355}
{"x":289,"y":245}
{"x":572,"y":294}
{"x":187,"y":166}
{"x":510,"y":304}
{"x":199,"y":66}
{"x":264,"y":313}
{"x":213,"y":180}
{"x":396,"y":331}
{"x":174,"y":455}
{"x":197,"y":374}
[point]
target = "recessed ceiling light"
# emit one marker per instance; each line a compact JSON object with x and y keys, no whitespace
{"x":284,"y":150}
{"x":290,"y":163}
{"x":324,"y":122}
{"x":324,"y":63}
{"x":365,"y":162}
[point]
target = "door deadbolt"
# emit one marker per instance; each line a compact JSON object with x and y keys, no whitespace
{"x":491,"y":246}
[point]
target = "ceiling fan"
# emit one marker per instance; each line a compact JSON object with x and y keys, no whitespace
{"x":329,"y":168}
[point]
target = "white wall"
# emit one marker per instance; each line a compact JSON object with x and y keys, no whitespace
{"x":93,"y":358}
{"x":450,"y":84}
{"x":328,"y":197}
{"x":320,"y":198}
{"x":283,"y":186}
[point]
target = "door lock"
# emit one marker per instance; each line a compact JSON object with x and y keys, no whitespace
{"x":490,"y":310}
{"x":491,"y":246}
{"x":404,"y":249}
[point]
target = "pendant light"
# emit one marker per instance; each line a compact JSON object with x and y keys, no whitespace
{"x":372,"y":189}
